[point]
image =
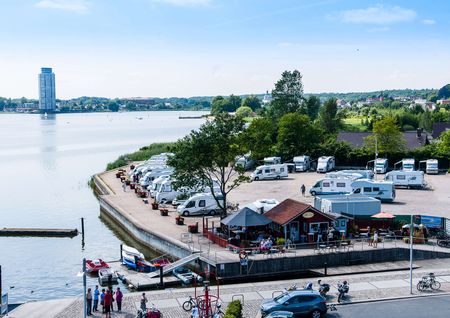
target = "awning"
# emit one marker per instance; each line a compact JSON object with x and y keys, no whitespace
{"x":246,"y":217}
{"x":383,"y":215}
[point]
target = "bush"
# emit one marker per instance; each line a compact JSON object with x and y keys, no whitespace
{"x":280,"y":241}
{"x":142,"y":154}
{"x":234,"y":310}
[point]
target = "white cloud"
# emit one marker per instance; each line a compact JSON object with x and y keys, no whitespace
{"x":378,"y":14}
{"x":185,"y":2}
{"x":428,"y":22}
{"x":79,"y":6}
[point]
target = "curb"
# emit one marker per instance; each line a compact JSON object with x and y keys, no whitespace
{"x":391,"y":299}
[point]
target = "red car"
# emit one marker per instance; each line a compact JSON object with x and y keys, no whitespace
{"x":93,"y":266}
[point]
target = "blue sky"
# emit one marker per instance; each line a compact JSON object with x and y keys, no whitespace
{"x":125,"y":48}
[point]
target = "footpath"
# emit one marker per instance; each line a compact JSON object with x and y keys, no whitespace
{"x":363,"y":287}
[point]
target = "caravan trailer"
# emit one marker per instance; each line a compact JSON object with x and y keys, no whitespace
{"x":325,"y":164}
{"x":302,"y":163}
{"x":381,"y":190}
{"x":381,"y":165}
{"x":272,"y":161}
{"x":432,"y":166}
{"x":245,"y":162}
{"x":408,"y":164}
{"x":409,"y":179}
{"x":270,"y":172}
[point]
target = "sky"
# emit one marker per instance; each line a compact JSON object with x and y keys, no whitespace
{"x":163,"y":48}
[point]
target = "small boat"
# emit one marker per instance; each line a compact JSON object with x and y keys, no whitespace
{"x":93,"y":266}
{"x":132,"y":251}
{"x":107,"y":277}
{"x":134,"y":259}
{"x":186,"y":275}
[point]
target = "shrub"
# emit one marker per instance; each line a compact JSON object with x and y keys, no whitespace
{"x":280,"y":241}
{"x":234,"y":310}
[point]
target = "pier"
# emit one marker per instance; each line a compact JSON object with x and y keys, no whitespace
{"x":38,"y":232}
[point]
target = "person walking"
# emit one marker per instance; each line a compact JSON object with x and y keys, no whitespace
{"x":119,"y":297}
{"x":89,"y":302}
{"x":96,"y":297}
{"x":303,"y":189}
{"x":112,"y":298}
{"x":102,"y":300}
{"x":108,"y":302}
{"x":375,"y":239}
{"x":144,"y":302}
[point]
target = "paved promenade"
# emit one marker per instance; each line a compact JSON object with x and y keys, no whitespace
{"x":362,"y":288}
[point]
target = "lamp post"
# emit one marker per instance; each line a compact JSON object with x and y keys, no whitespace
{"x":83,"y":273}
{"x":411,"y":229}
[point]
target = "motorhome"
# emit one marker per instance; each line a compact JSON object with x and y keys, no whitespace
{"x":325,"y":164}
{"x":381,"y":190}
{"x":355,"y":174}
{"x":166,"y":192}
{"x":408,"y":164}
{"x":409,"y":179}
{"x":302,"y":163}
{"x":432,"y":166}
{"x":332,"y":186}
{"x":270,"y":172}
{"x":148,"y":178}
{"x":272,"y":161}
{"x":245,"y":162}
{"x":200,"y":204}
{"x":381,"y":165}
{"x":156,"y":185}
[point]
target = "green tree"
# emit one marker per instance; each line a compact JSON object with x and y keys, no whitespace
{"x":443,"y":145}
{"x":233,"y":103}
{"x":259,"y":138}
{"x":312,"y":106}
{"x":130,"y":106}
{"x":253,"y":102}
{"x":244,"y":111}
{"x":426,"y":122}
{"x":217,"y":105}
{"x":329,"y":118}
{"x":386,"y":137}
{"x":444,"y":92}
{"x":208,"y":154}
{"x":287,"y":96}
{"x":297,"y":135}
{"x":113,"y":106}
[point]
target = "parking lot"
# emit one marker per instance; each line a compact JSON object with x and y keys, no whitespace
{"x":435,"y":201}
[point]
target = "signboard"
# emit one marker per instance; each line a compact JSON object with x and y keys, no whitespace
{"x":4,"y":306}
{"x":431,"y":222}
{"x":308,"y":215}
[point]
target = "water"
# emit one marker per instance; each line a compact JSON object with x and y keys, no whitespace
{"x":45,"y":167}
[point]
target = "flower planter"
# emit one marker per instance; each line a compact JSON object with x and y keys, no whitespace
{"x":179,"y":221}
{"x":127,"y":182}
{"x":155,"y":206}
{"x":132,"y":186}
{"x":164,"y":212}
{"x":193,"y":229}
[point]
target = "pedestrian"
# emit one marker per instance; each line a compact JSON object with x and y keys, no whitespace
{"x":144,"y":302}
{"x":108,"y":302}
{"x":303,"y":189}
{"x":124,"y":186}
{"x":119,"y":297}
{"x":112,"y":298}
{"x":102,"y":300}
{"x":375,"y":239}
{"x":96,"y":297}
{"x":89,"y":302}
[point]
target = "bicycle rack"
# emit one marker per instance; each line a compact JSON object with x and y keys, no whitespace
{"x":241,"y":296}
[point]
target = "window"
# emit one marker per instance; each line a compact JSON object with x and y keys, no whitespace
{"x":326,"y":184}
{"x":190,"y":204}
{"x":305,"y":299}
{"x":367,"y":189}
{"x":401,"y":177}
{"x":340,"y":184}
{"x":201,"y":203}
{"x":272,"y":170}
{"x":342,"y":223}
{"x":281,"y":169}
{"x":267,"y":171}
{"x":259,"y":172}
{"x":376,"y":189}
{"x":336,"y":223}
{"x":357,"y":190}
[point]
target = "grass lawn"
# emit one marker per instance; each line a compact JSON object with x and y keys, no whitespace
{"x":354,"y":124}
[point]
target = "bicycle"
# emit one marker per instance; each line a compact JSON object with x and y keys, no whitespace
{"x":428,"y":282}
{"x":188,"y":304}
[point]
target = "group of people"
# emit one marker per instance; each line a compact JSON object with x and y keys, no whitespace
{"x":266,"y":244}
{"x":106,"y":298}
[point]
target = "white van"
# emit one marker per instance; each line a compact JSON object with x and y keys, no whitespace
{"x":166,"y":193}
{"x":381,"y":190}
{"x":408,"y":164}
{"x":409,"y":179}
{"x":332,"y":186}
{"x":381,"y":165}
{"x":199,"y":204}
{"x":156,"y":185}
{"x":270,"y":172}
{"x":432,"y":166}
{"x":302,"y":163}
{"x":272,"y":161}
{"x":148,"y":178}
{"x":245,"y":162}
{"x":325,"y":164}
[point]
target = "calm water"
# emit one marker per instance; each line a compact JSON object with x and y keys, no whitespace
{"x":45,"y":167}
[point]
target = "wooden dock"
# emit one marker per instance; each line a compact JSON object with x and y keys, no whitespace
{"x":141,"y":281}
{"x":38,"y":232}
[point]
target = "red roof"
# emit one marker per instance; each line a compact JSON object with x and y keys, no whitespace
{"x":289,"y":209}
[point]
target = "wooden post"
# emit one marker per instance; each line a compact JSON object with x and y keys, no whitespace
{"x":161,"y":277}
{"x":1,"y":294}
{"x":82,"y":233}
{"x":121,"y":249}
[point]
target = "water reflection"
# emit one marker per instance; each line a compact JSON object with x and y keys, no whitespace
{"x":48,"y":141}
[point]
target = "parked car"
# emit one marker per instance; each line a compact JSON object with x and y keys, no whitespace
{"x":299,"y":302}
{"x":280,"y":314}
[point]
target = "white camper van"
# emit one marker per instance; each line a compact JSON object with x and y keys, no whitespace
{"x":409,"y":179}
{"x":302,"y":163}
{"x":148,"y":178}
{"x":408,"y":164}
{"x":270,"y":172}
{"x":354,"y":174}
{"x":199,"y":204}
{"x":245,"y":162}
{"x":272,"y":161}
{"x":381,"y":165}
{"x":156,"y":185}
{"x":332,"y":186}
{"x":381,"y":190}
{"x":432,"y":166}
{"x":166,"y":192}
{"x":325,"y":164}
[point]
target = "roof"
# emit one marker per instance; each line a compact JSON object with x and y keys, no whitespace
{"x":348,"y":198}
{"x":439,"y":128}
{"x":356,"y":139}
{"x":246,"y":217}
{"x":289,"y":209}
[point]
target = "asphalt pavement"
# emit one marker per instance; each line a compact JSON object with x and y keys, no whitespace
{"x":419,"y":307}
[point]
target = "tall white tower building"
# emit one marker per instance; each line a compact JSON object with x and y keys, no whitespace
{"x":47,"y":96}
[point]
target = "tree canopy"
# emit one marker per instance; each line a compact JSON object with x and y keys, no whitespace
{"x":220,"y":104}
{"x":260,"y":137}
{"x":329,"y":118}
{"x":312,"y":106}
{"x":287,"y":96}
{"x":444,"y":92}
{"x":244,"y":111}
{"x":252,"y":101}
{"x":387,"y":137}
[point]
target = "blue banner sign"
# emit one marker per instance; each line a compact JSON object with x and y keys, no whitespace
{"x":431,"y":222}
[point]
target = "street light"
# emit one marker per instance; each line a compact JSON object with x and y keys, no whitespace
{"x":83,"y":274}
{"x":411,"y":229}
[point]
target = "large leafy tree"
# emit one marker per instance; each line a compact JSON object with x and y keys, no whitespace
{"x":260,"y":137}
{"x":220,"y":104}
{"x":287,"y":96}
{"x":207,"y":156}
{"x":329,"y":118}
{"x":443,"y":145}
{"x":252,"y":101}
{"x":297,"y":135}
{"x":312,"y":106}
{"x":386,"y":138}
